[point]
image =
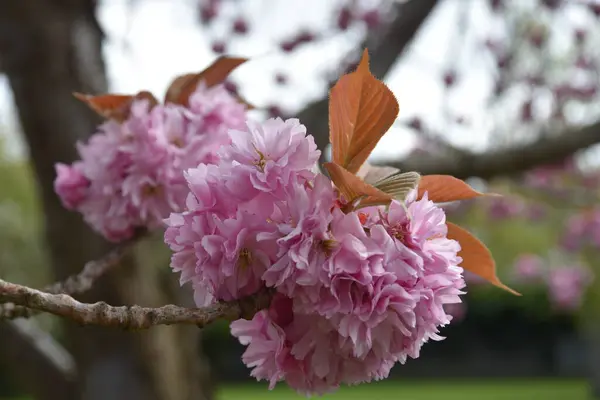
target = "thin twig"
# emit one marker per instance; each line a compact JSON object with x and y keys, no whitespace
{"x":47,"y":346}
{"x":130,"y":317}
{"x":78,"y":283}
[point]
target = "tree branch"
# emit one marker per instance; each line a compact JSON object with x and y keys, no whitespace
{"x":78,"y":283}
{"x":130,"y":317}
{"x":383,"y":51}
{"x":503,"y":162}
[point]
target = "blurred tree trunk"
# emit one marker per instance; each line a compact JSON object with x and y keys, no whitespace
{"x":49,"y":49}
{"x":590,"y":326}
{"x":593,"y":341}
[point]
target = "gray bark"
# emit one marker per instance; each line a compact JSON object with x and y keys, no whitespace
{"x":503,"y":162}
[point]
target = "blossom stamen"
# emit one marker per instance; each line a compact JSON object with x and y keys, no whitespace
{"x":260,"y":164}
{"x":151,"y":190}
{"x":177,"y":142}
{"x":244,"y":258}
{"x":327,"y":245}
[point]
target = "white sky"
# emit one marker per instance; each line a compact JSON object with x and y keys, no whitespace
{"x":157,"y":39}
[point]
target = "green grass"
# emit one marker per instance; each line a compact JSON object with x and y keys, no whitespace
{"x":423,"y":390}
{"x":427,"y":390}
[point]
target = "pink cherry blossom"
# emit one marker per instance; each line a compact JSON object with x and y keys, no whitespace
{"x":302,"y":236}
{"x":502,"y":208}
{"x":272,"y":155}
{"x":303,"y":350}
{"x":71,"y":185}
{"x":380,"y":298}
{"x":421,"y":227}
{"x":208,"y":190}
{"x":582,"y":229}
{"x":356,"y":292}
{"x":529,"y":268}
{"x":223,"y":257}
{"x":131,"y":174}
{"x":567,"y":285}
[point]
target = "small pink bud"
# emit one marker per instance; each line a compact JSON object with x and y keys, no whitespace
{"x":496,"y":5}
{"x":371,"y":18}
{"x":504,"y":61}
{"x":416,"y":124}
{"x":274,"y":111}
{"x":288,"y":46}
{"x":537,"y":36}
{"x":580,"y":36}
{"x":208,"y":11}
{"x":527,"y":111}
{"x":305,"y":37}
{"x":240,"y":26}
{"x":461,"y":120}
{"x":449,"y":79}
{"x":218,"y":47}
{"x":345,"y":18}
{"x":551,"y":4}
{"x":280,"y":78}
{"x":231,"y":87}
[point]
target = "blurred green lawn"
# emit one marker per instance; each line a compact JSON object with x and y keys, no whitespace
{"x":424,"y":390}
{"x":428,"y":390}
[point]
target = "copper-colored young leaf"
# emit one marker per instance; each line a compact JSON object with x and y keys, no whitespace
{"x":183,"y":86}
{"x":114,"y":106}
{"x":352,"y":187}
{"x":476,"y":256}
{"x":146,"y":96}
{"x":361,"y":110}
{"x":445,"y":188}
{"x":107,"y":105}
{"x":177,"y":86}
{"x":398,"y":184}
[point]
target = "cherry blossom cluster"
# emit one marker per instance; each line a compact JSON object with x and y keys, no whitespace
{"x":582,"y":231}
{"x":356,"y":291}
{"x":566,"y":285}
{"x":130,"y":174}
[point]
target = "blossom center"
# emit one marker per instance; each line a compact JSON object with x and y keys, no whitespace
{"x":151,"y":190}
{"x":244,"y":258}
{"x":260,"y":164}
{"x":400,"y":232}
{"x":177,"y":142}
{"x":327,"y":245}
